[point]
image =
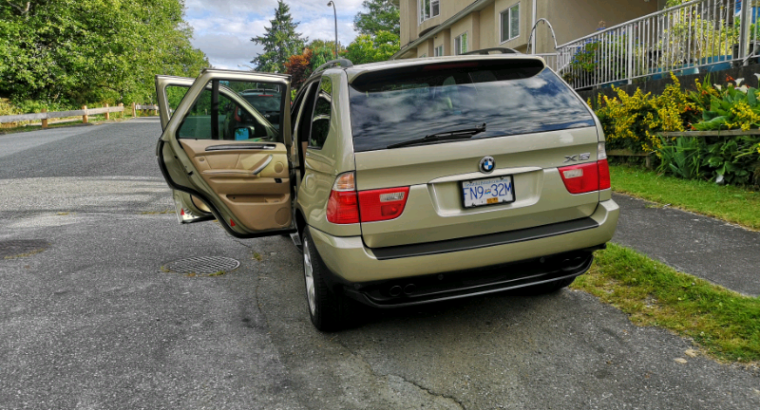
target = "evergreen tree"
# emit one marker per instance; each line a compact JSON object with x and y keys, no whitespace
{"x":280,"y":41}
{"x":382,"y":15}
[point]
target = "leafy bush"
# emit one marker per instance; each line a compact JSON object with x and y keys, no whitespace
{"x":732,"y":108}
{"x":683,"y":159}
{"x":634,"y":122}
{"x":6,"y":108}
{"x":734,"y":160}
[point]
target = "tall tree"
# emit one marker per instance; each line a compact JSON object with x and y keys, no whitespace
{"x":299,"y":67}
{"x":280,"y":41}
{"x":382,"y":15}
{"x":326,"y":44}
{"x":73,"y":52}
{"x":323,"y":51}
{"x":365,"y":49}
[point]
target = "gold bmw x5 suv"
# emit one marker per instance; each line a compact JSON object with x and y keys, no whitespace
{"x":403,"y":182}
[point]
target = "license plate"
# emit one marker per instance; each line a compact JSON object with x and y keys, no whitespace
{"x":490,"y":191}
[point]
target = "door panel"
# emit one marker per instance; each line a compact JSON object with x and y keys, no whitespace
{"x":240,"y":174}
{"x":251,"y":179}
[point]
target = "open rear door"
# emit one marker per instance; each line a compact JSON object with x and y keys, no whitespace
{"x":171,"y":90}
{"x":220,"y":153}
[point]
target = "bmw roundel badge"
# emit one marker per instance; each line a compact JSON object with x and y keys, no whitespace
{"x":487,"y":165}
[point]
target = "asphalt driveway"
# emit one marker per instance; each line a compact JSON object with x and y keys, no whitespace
{"x":88,"y":319}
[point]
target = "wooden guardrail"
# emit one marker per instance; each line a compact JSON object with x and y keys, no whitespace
{"x":85,"y":112}
{"x":716,"y":133}
{"x":628,"y":153}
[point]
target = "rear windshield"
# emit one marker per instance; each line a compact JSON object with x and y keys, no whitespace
{"x":510,"y":97}
{"x":265,"y":103}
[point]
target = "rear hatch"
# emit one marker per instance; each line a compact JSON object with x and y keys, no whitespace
{"x":514,"y":124}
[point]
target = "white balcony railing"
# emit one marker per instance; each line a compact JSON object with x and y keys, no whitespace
{"x":699,"y":36}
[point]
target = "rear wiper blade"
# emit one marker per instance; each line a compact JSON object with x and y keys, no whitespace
{"x":465,"y":133}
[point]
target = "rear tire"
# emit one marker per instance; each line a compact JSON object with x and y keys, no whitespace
{"x":550,"y":287}
{"x":329,"y":309}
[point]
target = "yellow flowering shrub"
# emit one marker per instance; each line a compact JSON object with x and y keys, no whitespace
{"x":744,"y":116}
{"x":633,"y":121}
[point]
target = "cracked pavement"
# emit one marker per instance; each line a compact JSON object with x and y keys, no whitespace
{"x":91,"y":321}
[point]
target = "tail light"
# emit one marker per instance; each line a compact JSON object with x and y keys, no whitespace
{"x":382,"y":204}
{"x":347,"y":206}
{"x":580,"y":179}
{"x":594,"y":176}
{"x":343,"y":205}
{"x":604,"y":175}
{"x":604,"y":168}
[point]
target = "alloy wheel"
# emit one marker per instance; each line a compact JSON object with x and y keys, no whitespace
{"x":308,"y":272}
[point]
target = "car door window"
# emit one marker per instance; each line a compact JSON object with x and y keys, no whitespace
{"x":174,"y":95}
{"x":320,"y":121}
{"x":295,"y":109}
{"x":236,"y":111}
{"x":302,"y":117}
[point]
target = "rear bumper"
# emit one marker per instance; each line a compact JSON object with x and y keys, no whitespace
{"x":352,"y":262}
{"x":455,"y":285}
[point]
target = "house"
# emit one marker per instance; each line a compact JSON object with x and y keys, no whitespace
{"x":432,"y":28}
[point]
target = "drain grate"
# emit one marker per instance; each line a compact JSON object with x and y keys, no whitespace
{"x":22,"y":247}
{"x":203,"y":264}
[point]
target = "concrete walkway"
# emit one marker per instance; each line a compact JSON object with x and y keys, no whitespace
{"x":709,"y":248}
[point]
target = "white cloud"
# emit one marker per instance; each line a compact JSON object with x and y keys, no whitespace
{"x":227,"y":51}
{"x":323,"y":28}
{"x":299,"y":9}
{"x":223,"y":28}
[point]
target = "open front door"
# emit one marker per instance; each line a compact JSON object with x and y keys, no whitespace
{"x":224,"y":149}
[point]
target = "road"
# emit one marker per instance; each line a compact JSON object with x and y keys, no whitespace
{"x":712,"y":249}
{"x":89,"y":320}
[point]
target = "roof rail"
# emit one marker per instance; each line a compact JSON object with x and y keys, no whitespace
{"x":486,"y":51}
{"x":341,"y":62}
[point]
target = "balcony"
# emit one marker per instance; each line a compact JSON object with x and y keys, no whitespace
{"x":699,"y":36}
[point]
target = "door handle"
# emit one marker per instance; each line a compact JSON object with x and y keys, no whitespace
{"x":263,"y":165}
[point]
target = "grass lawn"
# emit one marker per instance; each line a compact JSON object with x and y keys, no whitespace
{"x":732,"y":204}
{"x":724,"y":323}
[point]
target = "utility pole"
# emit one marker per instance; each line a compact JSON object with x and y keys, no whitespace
{"x":335,"y":12}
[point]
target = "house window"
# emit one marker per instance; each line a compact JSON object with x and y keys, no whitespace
{"x":429,"y":9}
{"x":510,"y":23}
{"x":460,"y":44}
{"x":438,"y":51}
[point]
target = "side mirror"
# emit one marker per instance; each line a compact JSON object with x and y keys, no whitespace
{"x":245,"y":133}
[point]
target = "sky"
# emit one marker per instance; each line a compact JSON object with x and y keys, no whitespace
{"x":223,"y":28}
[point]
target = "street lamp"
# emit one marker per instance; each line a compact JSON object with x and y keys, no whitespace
{"x":336,"y":27}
